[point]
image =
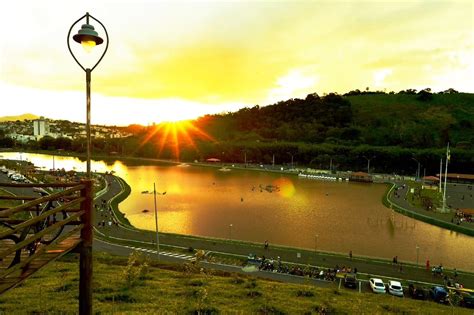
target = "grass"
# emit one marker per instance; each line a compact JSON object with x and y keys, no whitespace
{"x":177,"y":289}
{"x":415,"y":200}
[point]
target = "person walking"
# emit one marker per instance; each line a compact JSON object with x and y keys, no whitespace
{"x":350,"y":254}
{"x":265,"y":246}
{"x":427,"y":265}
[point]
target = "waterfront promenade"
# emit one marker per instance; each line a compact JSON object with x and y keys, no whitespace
{"x":126,"y":237}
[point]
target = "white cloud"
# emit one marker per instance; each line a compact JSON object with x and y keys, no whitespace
{"x":296,"y":84}
{"x":379,"y":76}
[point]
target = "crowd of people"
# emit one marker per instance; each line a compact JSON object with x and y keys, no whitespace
{"x":275,"y":265}
{"x":106,"y":217}
{"x":460,"y":217}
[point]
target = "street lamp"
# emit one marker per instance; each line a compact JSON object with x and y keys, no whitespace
{"x":417,"y":253}
{"x":156,"y":222}
{"x":245,"y":158}
{"x":88,"y":38}
{"x":368,"y":162}
{"x":230,"y":231}
{"x":291,"y":159}
{"x":417,"y":176}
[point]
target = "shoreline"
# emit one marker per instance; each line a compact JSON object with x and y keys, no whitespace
{"x":245,"y":247}
{"x":390,"y":204}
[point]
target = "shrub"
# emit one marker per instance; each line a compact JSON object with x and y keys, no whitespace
{"x":323,"y":309}
{"x":269,"y":309}
{"x":136,"y":269}
{"x":204,"y":311}
{"x":196,"y":283}
{"x":237,"y":280}
{"x":121,"y":297}
{"x":251,"y":284}
{"x":304,"y":293}
{"x":254,"y":294}
{"x":63,"y":288}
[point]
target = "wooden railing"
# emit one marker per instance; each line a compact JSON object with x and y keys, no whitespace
{"x":50,"y":221}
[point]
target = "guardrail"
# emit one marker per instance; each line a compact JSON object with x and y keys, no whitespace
{"x":47,"y":221}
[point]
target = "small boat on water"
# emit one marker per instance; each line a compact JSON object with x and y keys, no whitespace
{"x":183,"y":165}
{"x":145,"y":192}
{"x":224,"y":169}
{"x":145,"y":210}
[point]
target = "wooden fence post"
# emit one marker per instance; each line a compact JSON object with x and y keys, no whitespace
{"x":85,"y":262}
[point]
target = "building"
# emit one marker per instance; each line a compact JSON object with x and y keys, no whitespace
{"x":40,"y":127}
{"x":459,"y":178}
{"x":360,"y":177}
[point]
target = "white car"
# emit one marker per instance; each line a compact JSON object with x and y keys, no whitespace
{"x":395,"y":288}
{"x":377,"y":285}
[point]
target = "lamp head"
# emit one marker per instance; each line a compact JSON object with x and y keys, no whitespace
{"x":88,"y":37}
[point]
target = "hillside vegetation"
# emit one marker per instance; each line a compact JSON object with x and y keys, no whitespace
{"x":390,"y":129}
{"x":19,"y":117}
{"x":136,"y":287}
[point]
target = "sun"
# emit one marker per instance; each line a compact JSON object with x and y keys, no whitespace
{"x":174,"y":136}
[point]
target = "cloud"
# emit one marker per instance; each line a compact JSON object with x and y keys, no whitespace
{"x":296,"y":83}
{"x":380,"y":75}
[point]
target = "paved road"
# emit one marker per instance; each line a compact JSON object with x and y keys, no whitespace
{"x":122,"y":240}
{"x":124,"y":250}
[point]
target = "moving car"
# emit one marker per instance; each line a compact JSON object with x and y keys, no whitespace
{"x":417,"y":292}
{"x":395,"y":288}
{"x":350,"y":280}
{"x":439,"y":294}
{"x":377,"y":285}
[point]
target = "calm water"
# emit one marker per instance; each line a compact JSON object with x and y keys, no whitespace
{"x":333,"y":216}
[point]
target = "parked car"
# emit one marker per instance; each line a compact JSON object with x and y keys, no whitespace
{"x":467,"y":299}
{"x":395,"y":288}
{"x":417,"y":292}
{"x":350,"y":280}
{"x":439,"y":294}
{"x":377,"y":285}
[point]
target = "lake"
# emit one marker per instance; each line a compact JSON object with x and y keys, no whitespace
{"x":281,"y":208}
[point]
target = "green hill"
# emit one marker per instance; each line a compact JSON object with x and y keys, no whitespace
{"x":140,"y":288}
{"x":19,"y":117}
{"x":403,"y":119}
{"x":410,"y":120}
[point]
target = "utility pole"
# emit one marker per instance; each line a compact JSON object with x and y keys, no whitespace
{"x":448,"y":156}
{"x":156,"y":225}
{"x":440,"y":172}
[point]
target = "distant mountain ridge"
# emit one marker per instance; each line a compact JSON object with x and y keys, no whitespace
{"x":26,"y":116}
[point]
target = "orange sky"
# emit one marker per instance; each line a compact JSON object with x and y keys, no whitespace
{"x":172,"y":60}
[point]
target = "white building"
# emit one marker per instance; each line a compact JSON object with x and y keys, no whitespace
{"x":40,"y":127}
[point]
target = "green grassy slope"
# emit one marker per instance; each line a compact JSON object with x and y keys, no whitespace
{"x":178,"y":289}
{"x":452,"y":111}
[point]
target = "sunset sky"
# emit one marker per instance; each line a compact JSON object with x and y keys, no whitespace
{"x":171,"y":60}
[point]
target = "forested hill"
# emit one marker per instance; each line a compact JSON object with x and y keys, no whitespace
{"x":407,"y":119}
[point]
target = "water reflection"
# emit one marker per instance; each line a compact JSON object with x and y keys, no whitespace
{"x":345,"y":216}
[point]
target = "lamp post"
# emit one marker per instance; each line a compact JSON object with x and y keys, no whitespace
{"x":230,"y":231}
{"x":291,"y":159}
{"x":316,"y":243}
{"x":88,"y":38}
{"x":368,"y":162}
{"x":156,"y":222}
{"x":417,"y":176}
{"x":417,"y":253}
